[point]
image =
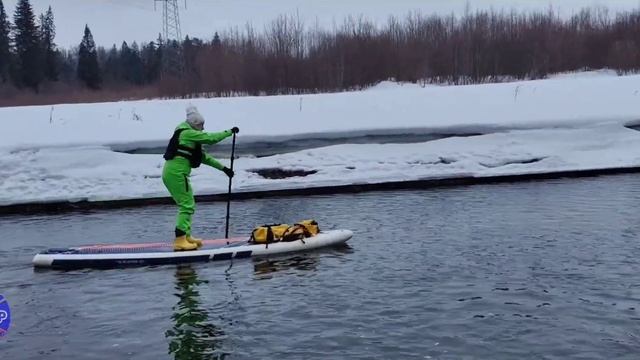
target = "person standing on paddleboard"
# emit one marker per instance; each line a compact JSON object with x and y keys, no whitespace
{"x":184,"y":153}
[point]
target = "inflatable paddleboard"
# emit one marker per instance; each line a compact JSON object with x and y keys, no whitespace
{"x":128,"y":255}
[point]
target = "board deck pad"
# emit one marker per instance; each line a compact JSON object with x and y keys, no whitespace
{"x":158,"y":247}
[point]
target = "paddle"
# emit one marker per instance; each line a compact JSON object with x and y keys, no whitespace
{"x":233,"y":150}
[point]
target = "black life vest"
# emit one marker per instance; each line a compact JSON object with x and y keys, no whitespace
{"x":175,"y":149}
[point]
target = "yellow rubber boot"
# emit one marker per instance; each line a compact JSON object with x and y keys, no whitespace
{"x":182,"y":244}
{"x":194,"y":240}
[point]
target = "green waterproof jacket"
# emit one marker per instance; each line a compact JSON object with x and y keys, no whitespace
{"x":189,"y":138}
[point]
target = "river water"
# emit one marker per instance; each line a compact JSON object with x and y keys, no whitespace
{"x":535,"y":270}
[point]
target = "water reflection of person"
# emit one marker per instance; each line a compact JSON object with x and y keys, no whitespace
{"x":193,"y":336}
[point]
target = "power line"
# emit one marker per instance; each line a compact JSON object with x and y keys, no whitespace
{"x":173,"y":57}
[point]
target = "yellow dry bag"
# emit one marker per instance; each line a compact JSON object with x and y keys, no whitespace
{"x":267,"y":234}
{"x":311,"y":226}
{"x":301,"y":230}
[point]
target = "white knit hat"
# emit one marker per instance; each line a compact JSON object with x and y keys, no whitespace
{"x":194,"y":118}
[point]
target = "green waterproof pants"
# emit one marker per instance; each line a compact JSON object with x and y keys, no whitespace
{"x":175,"y":177}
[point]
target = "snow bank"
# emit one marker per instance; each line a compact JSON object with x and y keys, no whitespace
{"x":572,"y":102}
{"x":566,"y":123}
{"x":96,"y":173}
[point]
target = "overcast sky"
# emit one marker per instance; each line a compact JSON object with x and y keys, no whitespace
{"x":113,"y":21}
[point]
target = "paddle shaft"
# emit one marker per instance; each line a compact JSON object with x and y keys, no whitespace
{"x":233,"y":151}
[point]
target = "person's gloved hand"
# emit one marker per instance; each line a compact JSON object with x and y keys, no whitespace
{"x":235,"y":130}
{"x":228,"y":171}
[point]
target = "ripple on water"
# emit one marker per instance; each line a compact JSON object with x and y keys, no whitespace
{"x":530,"y":270}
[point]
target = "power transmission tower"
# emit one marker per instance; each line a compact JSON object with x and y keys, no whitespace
{"x":172,"y":57}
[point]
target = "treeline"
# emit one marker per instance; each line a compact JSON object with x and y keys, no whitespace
{"x":289,"y":57}
{"x":34,"y":70}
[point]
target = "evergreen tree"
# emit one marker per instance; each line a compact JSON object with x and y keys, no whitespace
{"x":217,"y":44}
{"x":88,"y":68}
{"x":68,"y":66}
{"x":27,"y":44}
{"x":134,"y":65}
{"x":125,"y":54}
{"x":5,"y":47}
{"x":160,"y":53}
{"x":190,"y":49}
{"x":111,"y":69}
{"x":130,"y":63}
{"x":151,"y":62}
{"x":51,"y":54}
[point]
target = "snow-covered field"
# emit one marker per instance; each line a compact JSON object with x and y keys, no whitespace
{"x":569,"y":122}
{"x":568,"y":100}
